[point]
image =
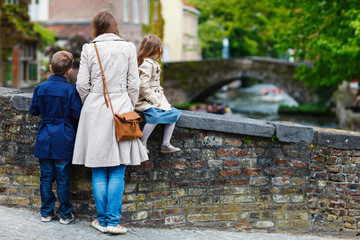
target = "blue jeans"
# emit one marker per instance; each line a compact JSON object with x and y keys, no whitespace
{"x":51,"y":170}
{"x":108,"y":189}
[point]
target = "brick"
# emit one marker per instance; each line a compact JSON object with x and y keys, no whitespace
{"x":171,"y":211}
{"x":298,"y":164}
{"x":231,"y":163}
{"x":147,"y":165}
{"x":336,"y":177}
{"x":240,"y":153}
{"x":127,"y":207}
{"x":287,"y":172}
{"x":280,"y":180}
{"x":230,"y":173}
{"x":333,"y":169}
{"x":198,"y":164}
{"x":252,"y":171}
{"x":213,"y":141}
{"x":260,"y":181}
{"x":344,"y":160}
{"x":199,"y":217}
{"x":297,"y":199}
{"x":331,"y":160}
{"x":139,"y":215}
{"x":349,"y":169}
{"x":350,"y":225}
{"x":243,"y":225}
{"x":155,"y":214}
{"x":355,"y":160}
{"x":281,"y":162}
{"x":224,"y":152}
{"x":240,"y":182}
{"x":11,"y":190}
{"x":4,"y":180}
{"x":233,"y":142}
{"x":317,"y":167}
{"x":21,"y":201}
{"x":319,"y":158}
{"x":281,"y":198}
{"x":248,"y":162}
{"x":225,"y":216}
{"x":36,"y":202}
{"x":173,"y":220}
{"x":271,"y":171}
{"x":165,"y":204}
{"x":264,"y":224}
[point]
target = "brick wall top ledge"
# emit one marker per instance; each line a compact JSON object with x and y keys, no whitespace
{"x":284,"y":131}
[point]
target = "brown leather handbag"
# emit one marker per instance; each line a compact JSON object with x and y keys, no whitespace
{"x":126,"y":124}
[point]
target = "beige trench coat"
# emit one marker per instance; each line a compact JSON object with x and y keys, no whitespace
{"x":95,"y":144}
{"x":151,"y":93}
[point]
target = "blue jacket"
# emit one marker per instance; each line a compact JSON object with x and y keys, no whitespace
{"x":59,"y":105}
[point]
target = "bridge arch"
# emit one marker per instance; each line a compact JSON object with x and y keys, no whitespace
{"x":194,"y":81}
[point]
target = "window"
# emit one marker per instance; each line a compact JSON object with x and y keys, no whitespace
{"x":146,"y":10}
{"x":126,"y":11}
{"x":136,"y":11}
{"x":11,"y":1}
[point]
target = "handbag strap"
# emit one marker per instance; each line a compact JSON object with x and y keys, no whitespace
{"x":104,"y":82}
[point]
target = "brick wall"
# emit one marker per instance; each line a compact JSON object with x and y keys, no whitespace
{"x":235,"y":174}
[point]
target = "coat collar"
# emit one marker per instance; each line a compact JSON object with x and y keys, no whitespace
{"x":57,"y":78}
{"x":150,"y":60}
{"x":107,"y":37}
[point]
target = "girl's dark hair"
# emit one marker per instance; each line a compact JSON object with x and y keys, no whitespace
{"x":149,"y":46}
{"x":104,"y":22}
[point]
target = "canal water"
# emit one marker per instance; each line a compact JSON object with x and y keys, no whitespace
{"x":261,"y":101}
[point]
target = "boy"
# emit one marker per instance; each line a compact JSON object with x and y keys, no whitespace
{"x":59,"y":105}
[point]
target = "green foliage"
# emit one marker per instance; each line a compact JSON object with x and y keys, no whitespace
{"x":156,"y":25}
{"x":251,"y":26}
{"x":186,"y":105}
{"x":247,"y":140}
{"x":305,"y":108}
{"x":47,"y":36}
{"x":327,"y":33}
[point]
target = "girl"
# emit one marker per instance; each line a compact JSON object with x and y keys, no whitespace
{"x":152,"y":101}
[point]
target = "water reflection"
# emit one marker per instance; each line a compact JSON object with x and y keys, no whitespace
{"x":262,"y":101}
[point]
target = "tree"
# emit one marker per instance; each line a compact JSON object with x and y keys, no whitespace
{"x":250,"y":25}
{"x":15,"y":28}
{"x":327,"y":33}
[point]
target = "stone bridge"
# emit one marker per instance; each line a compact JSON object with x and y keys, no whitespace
{"x":232,"y":174}
{"x":196,"y":80}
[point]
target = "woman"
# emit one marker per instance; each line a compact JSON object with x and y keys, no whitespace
{"x":96,"y":146}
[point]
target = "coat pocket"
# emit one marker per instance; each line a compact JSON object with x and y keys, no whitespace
{"x":42,"y":147}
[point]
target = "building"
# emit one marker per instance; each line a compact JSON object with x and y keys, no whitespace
{"x":71,"y":17}
{"x":180,"y":31}
{"x":21,"y":65}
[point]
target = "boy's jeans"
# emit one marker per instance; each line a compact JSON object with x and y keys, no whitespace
{"x":108,"y":189}
{"x":50,"y":170}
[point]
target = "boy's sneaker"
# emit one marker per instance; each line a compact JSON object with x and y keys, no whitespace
{"x":68,"y":220}
{"x":48,"y":218}
{"x":168,"y":148}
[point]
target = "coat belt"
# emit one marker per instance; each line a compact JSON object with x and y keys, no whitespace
{"x":55,"y":120}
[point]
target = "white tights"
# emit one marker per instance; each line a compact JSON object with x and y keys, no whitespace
{"x":149,"y":128}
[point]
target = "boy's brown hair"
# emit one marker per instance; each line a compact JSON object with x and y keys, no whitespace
{"x":104,"y":22}
{"x":149,"y":46}
{"x":61,"y":62}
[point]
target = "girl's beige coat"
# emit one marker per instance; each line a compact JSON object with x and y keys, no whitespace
{"x":151,"y":93}
{"x":95,"y":144}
